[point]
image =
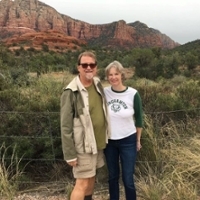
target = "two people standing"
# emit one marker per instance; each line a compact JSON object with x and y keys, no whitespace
{"x":85,"y":128}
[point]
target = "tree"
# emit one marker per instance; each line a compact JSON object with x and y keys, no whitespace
{"x":191,"y":60}
{"x":170,"y":65}
{"x":142,"y":60}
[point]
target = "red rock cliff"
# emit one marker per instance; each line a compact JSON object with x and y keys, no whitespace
{"x":22,"y":16}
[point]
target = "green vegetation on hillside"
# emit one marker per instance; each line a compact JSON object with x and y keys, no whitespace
{"x":31,"y":83}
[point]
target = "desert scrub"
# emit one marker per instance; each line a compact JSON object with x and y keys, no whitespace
{"x":9,"y":172}
{"x":169,"y":163}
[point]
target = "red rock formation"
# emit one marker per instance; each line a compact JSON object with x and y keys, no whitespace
{"x":55,"y":41}
{"x":23,"y":16}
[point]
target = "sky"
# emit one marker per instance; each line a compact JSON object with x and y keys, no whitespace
{"x":178,"y":19}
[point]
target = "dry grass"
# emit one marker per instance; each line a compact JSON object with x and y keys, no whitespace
{"x":55,"y":76}
{"x":9,"y":173}
{"x":170,"y":167}
{"x":175,"y":172}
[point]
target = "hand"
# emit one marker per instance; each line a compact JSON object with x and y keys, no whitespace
{"x":73,"y":163}
{"x":139,"y":146}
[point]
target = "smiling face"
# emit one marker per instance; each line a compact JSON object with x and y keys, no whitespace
{"x":87,"y":73}
{"x":114,"y":77}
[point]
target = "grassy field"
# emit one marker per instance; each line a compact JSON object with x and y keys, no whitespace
{"x":168,"y":165}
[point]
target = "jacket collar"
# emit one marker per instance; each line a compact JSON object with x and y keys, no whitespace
{"x":76,"y":84}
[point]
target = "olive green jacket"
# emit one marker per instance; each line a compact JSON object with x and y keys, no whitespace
{"x":77,"y":132}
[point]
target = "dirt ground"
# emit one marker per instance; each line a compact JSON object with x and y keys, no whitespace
{"x":58,"y":192}
{"x":54,"y":197}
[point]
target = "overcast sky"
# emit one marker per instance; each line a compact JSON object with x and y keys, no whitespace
{"x":178,"y":19}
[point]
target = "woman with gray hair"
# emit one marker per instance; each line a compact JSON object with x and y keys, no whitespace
{"x":126,"y":120}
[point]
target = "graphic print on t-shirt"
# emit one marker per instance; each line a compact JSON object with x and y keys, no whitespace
{"x":116,"y":105}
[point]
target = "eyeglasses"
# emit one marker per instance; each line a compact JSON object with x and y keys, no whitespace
{"x":85,"y":65}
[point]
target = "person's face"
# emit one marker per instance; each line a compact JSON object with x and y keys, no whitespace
{"x":87,"y":68}
{"x":114,"y":77}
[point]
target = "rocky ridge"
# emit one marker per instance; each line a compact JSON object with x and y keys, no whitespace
{"x":19,"y":17}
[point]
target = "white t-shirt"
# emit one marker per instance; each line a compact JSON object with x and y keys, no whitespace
{"x":121,"y":112}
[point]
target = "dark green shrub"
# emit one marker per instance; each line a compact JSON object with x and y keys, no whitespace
{"x":101,"y":74}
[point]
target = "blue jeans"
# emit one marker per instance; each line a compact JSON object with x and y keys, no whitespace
{"x":122,"y":151}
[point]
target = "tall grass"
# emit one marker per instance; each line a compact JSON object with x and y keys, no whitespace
{"x":170,"y":167}
{"x":9,"y":172}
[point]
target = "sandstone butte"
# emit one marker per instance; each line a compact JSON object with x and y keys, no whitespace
{"x":34,"y":23}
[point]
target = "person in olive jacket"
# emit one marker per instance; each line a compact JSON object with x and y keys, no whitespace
{"x":84,"y":126}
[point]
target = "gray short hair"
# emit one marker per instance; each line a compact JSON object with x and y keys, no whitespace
{"x":118,"y":66}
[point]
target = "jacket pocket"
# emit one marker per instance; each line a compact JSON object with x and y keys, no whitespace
{"x":78,"y":135}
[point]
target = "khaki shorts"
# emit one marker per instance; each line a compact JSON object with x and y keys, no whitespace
{"x":87,"y":164}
